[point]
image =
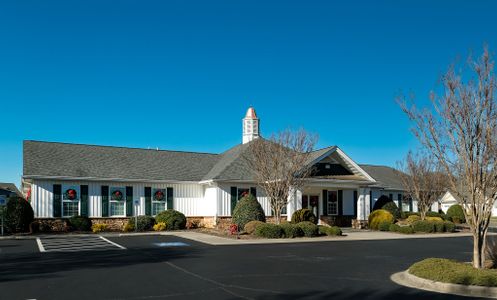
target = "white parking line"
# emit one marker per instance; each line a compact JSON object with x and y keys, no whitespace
{"x":40,"y":245}
{"x":115,"y":244}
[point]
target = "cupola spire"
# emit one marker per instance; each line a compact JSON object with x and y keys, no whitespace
{"x":250,"y":125}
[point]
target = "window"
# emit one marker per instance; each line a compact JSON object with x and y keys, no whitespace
{"x":242,"y":193}
{"x":332,"y":203}
{"x":159,"y":197}
{"x":305,"y":201}
{"x":70,"y":201}
{"x":117,"y":202}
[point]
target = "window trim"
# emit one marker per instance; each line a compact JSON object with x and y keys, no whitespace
{"x":329,"y":202}
{"x":164,"y":202}
{"x":77,"y":200}
{"x":123,"y":190}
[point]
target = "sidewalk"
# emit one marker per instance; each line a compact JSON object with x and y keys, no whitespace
{"x":349,"y":235}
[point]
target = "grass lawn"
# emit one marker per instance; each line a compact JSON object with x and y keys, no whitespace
{"x":450,"y":271}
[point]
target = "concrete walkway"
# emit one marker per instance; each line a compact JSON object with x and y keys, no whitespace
{"x":349,"y":235}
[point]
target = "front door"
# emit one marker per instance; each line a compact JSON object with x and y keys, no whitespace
{"x":311,"y":202}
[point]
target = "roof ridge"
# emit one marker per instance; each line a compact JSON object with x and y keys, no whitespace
{"x":120,"y":147}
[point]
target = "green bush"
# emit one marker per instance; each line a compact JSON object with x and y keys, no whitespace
{"x":450,"y":271}
{"x":394,"y":228}
{"x":144,"y":223}
{"x":327,"y":230}
{"x":378,"y":216}
{"x":308,"y":228}
{"x":405,"y":230}
{"x":393,"y":209}
{"x":251,"y":226}
{"x":246,"y":210}
{"x":413,"y":218}
{"x":449,"y":226}
{"x":269,"y":231}
{"x":406,"y":214}
{"x":304,"y":215}
{"x":291,"y":230}
{"x":435,"y":214}
{"x":18,"y":214}
{"x":456,"y":214}
{"x":424,"y":226}
{"x":384,"y":226}
{"x":439,"y":226}
{"x":80,"y":223}
{"x":173,"y":219}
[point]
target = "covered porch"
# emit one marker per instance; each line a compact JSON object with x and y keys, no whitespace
{"x":343,"y":204}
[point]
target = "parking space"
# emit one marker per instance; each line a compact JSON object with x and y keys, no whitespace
{"x":76,"y":243}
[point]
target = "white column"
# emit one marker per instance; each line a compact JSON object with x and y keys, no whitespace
{"x":294,"y":202}
{"x":363,"y":203}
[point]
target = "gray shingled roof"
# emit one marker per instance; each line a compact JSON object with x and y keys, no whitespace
{"x":75,"y":160}
{"x":6,"y":186}
{"x":386,"y":177}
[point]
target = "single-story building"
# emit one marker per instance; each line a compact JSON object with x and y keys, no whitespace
{"x":113,"y":183}
{"x":450,"y":198}
{"x":8,"y":190}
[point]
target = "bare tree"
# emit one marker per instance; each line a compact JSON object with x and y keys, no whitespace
{"x":281,"y":165}
{"x":422,"y":179}
{"x":461,"y":133}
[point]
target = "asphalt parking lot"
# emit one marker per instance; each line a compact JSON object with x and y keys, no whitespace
{"x":168,"y":267}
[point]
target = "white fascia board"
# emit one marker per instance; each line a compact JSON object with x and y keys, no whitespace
{"x":348,"y":159}
{"x":69,"y":178}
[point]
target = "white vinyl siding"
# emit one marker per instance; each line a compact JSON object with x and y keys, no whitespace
{"x":188,"y":197}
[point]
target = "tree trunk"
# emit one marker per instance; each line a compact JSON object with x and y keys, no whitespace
{"x":478,"y":249}
{"x":422,"y":214}
{"x":277,"y":215}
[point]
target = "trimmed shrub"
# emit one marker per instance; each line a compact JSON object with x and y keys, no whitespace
{"x":450,"y":271}
{"x":308,"y":228}
{"x":406,"y":214}
{"x":434,"y":219}
{"x":269,"y":231}
{"x":456,"y":214}
{"x":330,"y":231}
{"x":393,"y":209}
{"x":435,"y":214}
{"x":413,"y":218}
{"x":96,"y":228}
{"x":394,"y":228}
{"x":80,"y":223}
{"x":144,"y":223}
{"x":384,"y":226}
{"x":378,"y":216}
{"x":439,"y":226}
{"x":18,"y":214}
{"x":246,"y":210}
{"x":161,"y":226}
{"x":449,"y":226}
{"x":304,"y":215}
{"x":251,"y":226}
{"x":291,"y":230}
{"x":405,"y":230}
{"x":173,"y":219}
{"x":424,"y":226}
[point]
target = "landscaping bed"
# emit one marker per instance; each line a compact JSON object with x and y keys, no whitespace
{"x":450,"y":271}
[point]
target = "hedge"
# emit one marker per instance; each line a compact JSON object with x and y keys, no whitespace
{"x":173,"y":219}
{"x":330,"y":231}
{"x":393,"y":209}
{"x":405,"y":230}
{"x":144,"y":223}
{"x":450,"y":271}
{"x":384,"y":226}
{"x":308,"y":228}
{"x":269,"y":231}
{"x":394,"y":228}
{"x":251,"y":226}
{"x":80,"y":223}
{"x":291,"y":230}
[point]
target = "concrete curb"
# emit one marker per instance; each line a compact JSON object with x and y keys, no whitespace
{"x":406,"y":279}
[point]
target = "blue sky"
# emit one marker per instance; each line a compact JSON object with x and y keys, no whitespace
{"x":180,"y":74}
